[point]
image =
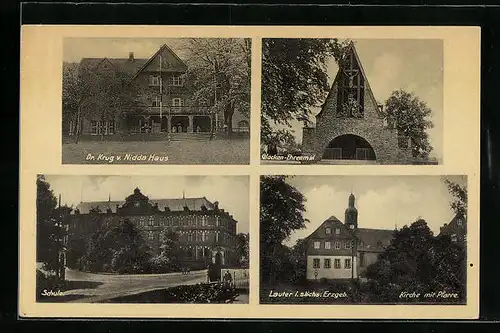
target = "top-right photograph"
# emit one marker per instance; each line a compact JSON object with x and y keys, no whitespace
{"x":366,"y":101}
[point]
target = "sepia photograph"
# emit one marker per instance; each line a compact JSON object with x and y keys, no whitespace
{"x":156,"y":101}
{"x":366,"y":101}
{"x":363,"y":240}
{"x":142,"y":239}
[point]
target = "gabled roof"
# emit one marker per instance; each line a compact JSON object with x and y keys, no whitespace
{"x":181,"y":67}
{"x":133,"y":67}
{"x":176,"y":204}
{"x":352,"y":49}
{"x":373,"y":239}
{"x":331,"y":222}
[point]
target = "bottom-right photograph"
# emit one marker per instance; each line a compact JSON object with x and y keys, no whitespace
{"x":363,"y":239}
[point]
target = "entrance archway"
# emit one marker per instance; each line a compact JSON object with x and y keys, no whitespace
{"x":180,"y":124}
{"x":201,"y":123}
{"x":349,"y":147}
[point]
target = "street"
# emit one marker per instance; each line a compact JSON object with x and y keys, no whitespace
{"x":123,"y":285}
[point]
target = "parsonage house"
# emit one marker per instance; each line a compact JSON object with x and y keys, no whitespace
{"x":337,"y":250}
{"x":167,"y":107}
{"x":351,"y":126}
{"x":207,"y":233}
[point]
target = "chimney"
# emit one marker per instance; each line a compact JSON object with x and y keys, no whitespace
{"x":131,"y":56}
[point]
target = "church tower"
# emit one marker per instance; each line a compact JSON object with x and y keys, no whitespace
{"x":351,"y":214}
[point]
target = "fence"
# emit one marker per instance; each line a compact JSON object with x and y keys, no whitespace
{"x":240,"y":277}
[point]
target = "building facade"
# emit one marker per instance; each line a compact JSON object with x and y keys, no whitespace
{"x":207,"y":233}
{"x":166,"y":105}
{"x":352,"y":127}
{"x":337,"y":250}
{"x":456,"y":229}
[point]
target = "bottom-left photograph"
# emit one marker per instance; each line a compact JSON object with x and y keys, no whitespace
{"x":142,"y":239}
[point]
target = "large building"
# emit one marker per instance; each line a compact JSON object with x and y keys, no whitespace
{"x":207,"y":233}
{"x":337,"y":250}
{"x":351,"y":126}
{"x":166,"y":105}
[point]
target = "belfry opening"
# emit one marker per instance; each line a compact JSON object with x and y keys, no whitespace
{"x":349,"y":147}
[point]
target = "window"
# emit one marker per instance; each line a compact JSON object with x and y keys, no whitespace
{"x":347,"y":263}
{"x":316,"y":263}
{"x":362,"y":259}
{"x":337,"y":231}
{"x":111,"y":127}
{"x":453,"y":238}
{"x":459,"y":221}
{"x":348,"y":244}
{"x":217,"y":223}
{"x":176,"y":80}
{"x":316,"y":245}
{"x":177,"y":101}
{"x":94,"y":127}
{"x":328,"y":245}
{"x":156,"y":101}
{"x":337,"y":245}
{"x":203,"y":220}
{"x":336,"y":263}
{"x":327,"y":263}
{"x":328,"y":231}
{"x":154,"y":80}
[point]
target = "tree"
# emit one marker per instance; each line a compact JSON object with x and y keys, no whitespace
{"x":100,"y":90}
{"x":51,"y":229}
{"x":294,"y":79}
{"x":417,"y":261}
{"x":219,"y":70}
{"x":242,"y":249}
{"x":459,"y":202}
{"x":117,"y":247}
{"x":410,"y":115}
{"x":281,"y":213}
{"x":46,"y":203}
{"x":171,"y":255}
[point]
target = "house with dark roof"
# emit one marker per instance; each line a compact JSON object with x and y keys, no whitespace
{"x":207,"y":233}
{"x":165,"y":107}
{"x":337,"y":250}
{"x":456,"y":229}
{"x":351,"y":126}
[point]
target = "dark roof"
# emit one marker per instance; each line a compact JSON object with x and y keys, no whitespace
{"x":121,"y":64}
{"x":176,"y":204}
{"x":374,"y":239}
{"x":453,"y":227}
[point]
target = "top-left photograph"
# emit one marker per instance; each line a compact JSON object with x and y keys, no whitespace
{"x":156,"y":100}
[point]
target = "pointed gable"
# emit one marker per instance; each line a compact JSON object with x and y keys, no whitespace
{"x":350,"y":92}
{"x":333,"y":223}
{"x":168,"y":60}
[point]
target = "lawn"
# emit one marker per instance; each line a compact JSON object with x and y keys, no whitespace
{"x":219,"y":151}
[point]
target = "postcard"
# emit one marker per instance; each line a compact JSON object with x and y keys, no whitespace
{"x":249,"y":172}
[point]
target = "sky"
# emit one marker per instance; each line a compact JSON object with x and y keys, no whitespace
{"x":74,"y":49}
{"x":383,"y":202}
{"x":232,"y":192}
{"x":415,"y":65}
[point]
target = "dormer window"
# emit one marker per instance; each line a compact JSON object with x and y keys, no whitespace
{"x":177,"y":80}
{"x":337,"y":231}
{"x":154,"y":80}
{"x":328,"y":231}
{"x":459,"y":222}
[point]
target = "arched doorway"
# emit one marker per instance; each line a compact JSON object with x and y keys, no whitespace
{"x":201,"y":123}
{"x":349,"y":147}
{"x":180,"y":124}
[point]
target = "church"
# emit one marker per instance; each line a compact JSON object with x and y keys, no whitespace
{"x":166,"y":109}
{"x":207,"y":233}
{"x":337,"y":250}
{"x":351,"y":127}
